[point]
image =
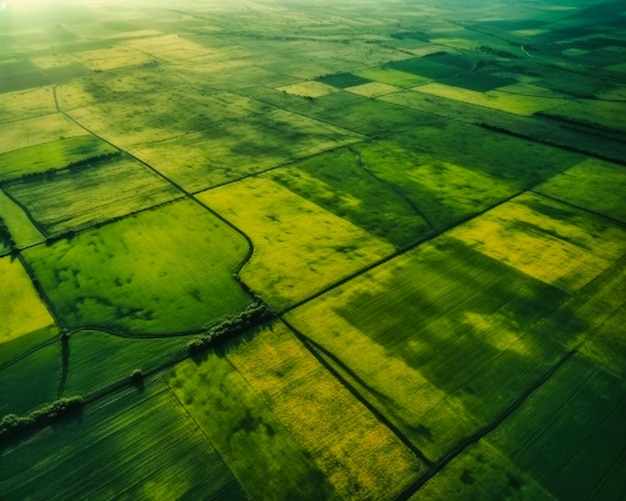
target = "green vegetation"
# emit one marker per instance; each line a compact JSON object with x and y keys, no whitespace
{"x":184,"y":255}
{"x":67,"y":200}
{"x":52,"y":156}
{"x":142,"y":446}
{"x":340,"y":183}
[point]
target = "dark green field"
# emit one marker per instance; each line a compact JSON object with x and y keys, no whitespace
{"x":285,"y":250}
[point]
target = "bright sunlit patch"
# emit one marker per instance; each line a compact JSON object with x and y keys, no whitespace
{"x":3,"y":6}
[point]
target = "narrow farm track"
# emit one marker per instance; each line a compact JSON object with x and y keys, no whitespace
{"x":483,"y":432}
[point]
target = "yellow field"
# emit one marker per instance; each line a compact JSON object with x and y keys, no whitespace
{"x":351,"y":447}
{"x":109,"y":59}
{"x":32,"y":131}
{"x":26,"y":103}
{"x":21,"y":309}
{"x":20,"y":227}
{"x":372,"y":89}
{"x":172,"y":48}
{"x":519,"y":105}
{"x":568,"y":250}
{"x":307,"y":89}
{"x":299,"y":248}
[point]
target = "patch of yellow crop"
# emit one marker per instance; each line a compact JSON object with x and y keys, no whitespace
{"x":21,"y":309}
{"x":372,"y":89}
{"x":519,"y":105}
{"x":32,"y":131}
{"x":110,"y":59}
{"x":307,"y":89}
{"x":567,"y":252}
{"x":171,"y":48}
{"x":299,"y":248}
{"x":360,"y":456}
{"x":54,"y":61}
{"x":25,"y":104}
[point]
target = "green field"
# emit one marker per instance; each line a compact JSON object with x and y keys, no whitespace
{"x":281,"y":250}
{"x":51,"y":156}
{"x":135,"y":446}
{"x":100,"y":277}
{"x":65,"y":201}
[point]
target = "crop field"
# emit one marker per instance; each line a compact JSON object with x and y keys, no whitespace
{"x":330,"y":248}
{"x":51,"y":156}
{"x":106,"y":189}
{"x":326,"y":440}
{"x":289,"y":250}
{"x":146,"y":447}
{"x":100,"y":277}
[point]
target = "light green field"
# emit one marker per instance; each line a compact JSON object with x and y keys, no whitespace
{"x":299,"y":248}
{"x":390,"y":76}
{"x":436,"y":353}
{"x":482,"y":472}
{"x":22,"y":230}
{"x":54,"y":155}
{"x":338,"y":182}
{"x":241,"y":147}
{"x":165,"y":270}
{"x":548,"y":240}
{"x":39,"y":130}
{"x":21,"y":308}
{"x":130,"y":446}
{"x":67,"y":200}
{"x":26,"y":104}
{"x":593,"y":185}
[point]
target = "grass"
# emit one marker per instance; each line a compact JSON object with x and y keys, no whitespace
{"x":299,"y":247}
{"x":568,"y":434}
{"x":20,"y":227}
{"x":166,"y":270}
{"x":21,"y":308}
{"x":393,"y":77}
{"x":593,"y":185}
{"x":372,"y":89}
{"x":424,"y":67}
{"x":241,"y":147}
{"x":26,"y":104}
{"x":338,"y":182}
{"x":553,"y":242}
{"x":69,"y":200}
{"x":307,"y":89}
{"x":39,"y":130}
{"x":439,"y":339}
{"x":135,"y":446}
{"x":54,"y":155}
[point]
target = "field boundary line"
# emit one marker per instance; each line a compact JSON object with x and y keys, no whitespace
{"x":312,"y":347}
{"x":484,"y":431}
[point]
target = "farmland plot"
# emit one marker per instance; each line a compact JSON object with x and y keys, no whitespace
{"x":54,"y":155}
{"x":34,"y":131}
{"x":338,"y":439}
{"x":238,"y":148}
{"x":135,"y":446}
{"x":569,"y":434}
{"x":387,"y":326}
{"x":25,"y":104}
{"x":71,"y":199}
{"x":553,"y":242}
{"x":593,"y":185}
{"x":299,"y":248}
{"x":338,"y":182}
{"x":166,"y":270}
{"x":18,"y":225}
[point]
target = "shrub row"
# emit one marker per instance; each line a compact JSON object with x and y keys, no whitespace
{"x":253,"y":315}
{"x":12,"y":425}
